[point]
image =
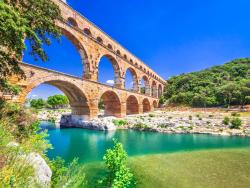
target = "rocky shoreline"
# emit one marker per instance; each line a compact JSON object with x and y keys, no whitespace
{"x":170,"y":122}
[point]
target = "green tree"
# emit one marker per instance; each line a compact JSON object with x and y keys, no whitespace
{"x":33,"y":20}
{"x":119,"y":176}
{"x":58,"y":101}
{"x":228,"y":92}
{"x":37,"y":103}
{"x":243,"y":93}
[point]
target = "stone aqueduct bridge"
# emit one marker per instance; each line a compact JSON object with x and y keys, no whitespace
{"x":84,"y":94}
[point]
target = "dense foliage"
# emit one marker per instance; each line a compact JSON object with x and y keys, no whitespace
{"x":58,"y":101}
{"x":67,"y":176}
{"x":33,"y":20}
{"x":38,"y":103}
{"x":224,"y":85}
{"x":119,"y":175}
{"x":55,"y":102}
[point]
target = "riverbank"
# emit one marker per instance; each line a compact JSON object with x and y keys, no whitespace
{"x":207,"y":168}
{"x":172,"y":121}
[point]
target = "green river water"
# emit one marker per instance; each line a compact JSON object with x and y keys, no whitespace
{"x":90,"y":146}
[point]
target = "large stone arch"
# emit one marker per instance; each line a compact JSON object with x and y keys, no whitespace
{"x":135,"y":78}
{"x":112,"y":104}
{"x":117,"y":71}
{"x":132,"y":105}
{"x":78,"y":100}
{"x":146,"y":105}
{"x":81,"y":49}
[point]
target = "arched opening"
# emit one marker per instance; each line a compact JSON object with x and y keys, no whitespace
{"x":118,"y":52}
{"x":67,"y":56}
{"x":131,"y":80}
{"x":154,"y":89}
{"x":108,"y":71}
{"x":155,"y":104}
{"x":87,"y":31}
{"x":72,"y":22}
{"x":146,"y":105}
{"x":111,"y":104}
{"x":132,"y":105}
{"x":110,"y":46}
{"x":125,"y":56}
{"x":52,"y":86}
{"x":160,"y":90}
{"x":99,"y":39}
{"x":145,"y":86}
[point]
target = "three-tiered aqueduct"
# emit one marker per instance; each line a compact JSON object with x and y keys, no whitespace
{"x":84,"y":93}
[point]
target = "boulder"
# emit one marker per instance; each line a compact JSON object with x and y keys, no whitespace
{"x":101,"y":124}
{"x":43,"y":172}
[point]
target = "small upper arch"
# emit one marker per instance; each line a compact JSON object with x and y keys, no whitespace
{"x":110,"y":47}
{"x":72,"y":22}
{"x":99,"y":39}
{"x":87,"y":31}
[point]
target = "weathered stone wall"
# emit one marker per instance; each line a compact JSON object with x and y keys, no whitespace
{"x":84,"y":95}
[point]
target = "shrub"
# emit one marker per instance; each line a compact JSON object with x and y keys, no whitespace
{"x":119,"y":122}
{"x":67,"y":176}
{"x":119,"y":175}
{"x":235,"y":114}
{"x":236,"y":123}
{"x":140,"y":126}
{"x":151,"y":115}
{"x":190,"y":117}
{"x":162,"y":125}
{"x":226,"y":120}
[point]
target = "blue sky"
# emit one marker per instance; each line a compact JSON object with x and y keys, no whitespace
{"x":172,"y":37}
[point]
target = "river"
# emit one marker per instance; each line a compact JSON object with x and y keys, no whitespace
{"x":90,"y":145}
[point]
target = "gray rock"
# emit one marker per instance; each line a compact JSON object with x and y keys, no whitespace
{"x":43,"y":172}
{"x":101,"y":124}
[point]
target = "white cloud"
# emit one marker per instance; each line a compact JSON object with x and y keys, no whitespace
{"x":64,"y":1}
{"x":110,"y":82}
{"x":34,"y":96}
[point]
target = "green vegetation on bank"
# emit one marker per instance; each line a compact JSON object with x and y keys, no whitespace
{"x":224,"y":85}
{"x":209,"y":168}
{"x":21,"y":136}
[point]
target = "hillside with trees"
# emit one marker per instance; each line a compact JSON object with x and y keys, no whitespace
{"x":224,"y":85}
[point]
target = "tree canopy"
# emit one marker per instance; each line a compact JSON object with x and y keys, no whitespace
{"x":58,"y":101}
{"x":217,"y":86}
{"x":33,"y":20}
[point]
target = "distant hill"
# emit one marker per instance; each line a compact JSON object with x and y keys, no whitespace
{"x":224,"y":85}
